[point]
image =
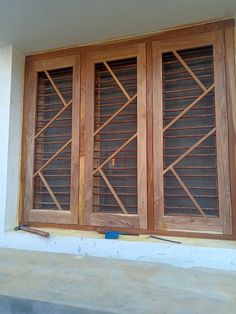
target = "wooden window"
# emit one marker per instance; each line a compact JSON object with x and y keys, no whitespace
{"x":86,"y":157}
{"x":192,"y":188}
{"x":115,"y":193}
{"x":52,"y":142}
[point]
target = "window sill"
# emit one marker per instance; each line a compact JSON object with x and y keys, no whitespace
{"x":218,"y":254}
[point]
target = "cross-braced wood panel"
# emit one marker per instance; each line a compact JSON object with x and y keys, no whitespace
{"x":115,"y":137}
{"x":190,"y":164}
{"x":52,"y":168}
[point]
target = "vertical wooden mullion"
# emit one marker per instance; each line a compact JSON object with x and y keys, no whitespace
{"x":222,"y":133}
{"x":231,"y":104}
{"x":75,"y":145}
{"x":150,"y":190}
{"x":89,"y":140}
{"x":82,"y":180}
{"x":24,"y":207}
{"x":141,"y":137}
{"x":158,"y":137}
{"x":30,"y":107}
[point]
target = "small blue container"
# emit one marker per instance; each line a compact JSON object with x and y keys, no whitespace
{"x":112,"y":235}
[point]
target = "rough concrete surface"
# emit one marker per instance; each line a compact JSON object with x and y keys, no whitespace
{"x":33,"y":282}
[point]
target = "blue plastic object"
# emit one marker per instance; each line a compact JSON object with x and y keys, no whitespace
{"x":112,"y":235}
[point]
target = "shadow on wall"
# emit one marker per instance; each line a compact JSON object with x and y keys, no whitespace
{"x":13,"y":305}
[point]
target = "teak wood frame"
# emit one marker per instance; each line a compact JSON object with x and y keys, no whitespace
{"x":112,"y":219}
{"x":75,"y":221}
{"x":222,"y":224}
{"x":59,"y":215}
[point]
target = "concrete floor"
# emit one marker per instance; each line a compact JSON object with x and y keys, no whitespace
{"x":33,"y":282}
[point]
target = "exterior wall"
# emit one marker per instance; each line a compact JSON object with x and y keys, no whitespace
{"x":11,"y":91}
{"x":5,"y":91}
{"x":189,"y":254}
{"x":80,"y":243}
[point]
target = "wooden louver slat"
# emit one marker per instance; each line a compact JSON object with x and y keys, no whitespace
{"x":115,"y":133}
{"x":53,"y":136}
{"x":189,"y":133}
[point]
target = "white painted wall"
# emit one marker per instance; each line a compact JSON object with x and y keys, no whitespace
{"x":5,"y":91}
{"x":11,"y":100}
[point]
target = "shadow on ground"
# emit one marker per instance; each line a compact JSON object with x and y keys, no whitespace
{"x":13,"y":305}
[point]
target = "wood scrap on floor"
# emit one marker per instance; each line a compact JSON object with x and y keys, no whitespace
{"x":163,"y":239}
{"x":32,"y":230}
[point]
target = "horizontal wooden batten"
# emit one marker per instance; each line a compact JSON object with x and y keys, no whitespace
{"x":50,"y":216}
{"x":115,"y":220}
{"x":192,"y":223}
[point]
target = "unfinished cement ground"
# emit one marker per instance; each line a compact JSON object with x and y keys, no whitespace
{"x":34,"y":282}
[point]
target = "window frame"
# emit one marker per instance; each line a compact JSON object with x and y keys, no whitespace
{"x":76,"y":219}
{"x":222,"y":224}
{"x":90,"y":217}
{"x":50,"y":216}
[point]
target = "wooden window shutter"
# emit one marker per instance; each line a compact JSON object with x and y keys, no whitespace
{"x":191,"y":166}
{"x":52,"y":156}
{"x":115,"y":139}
